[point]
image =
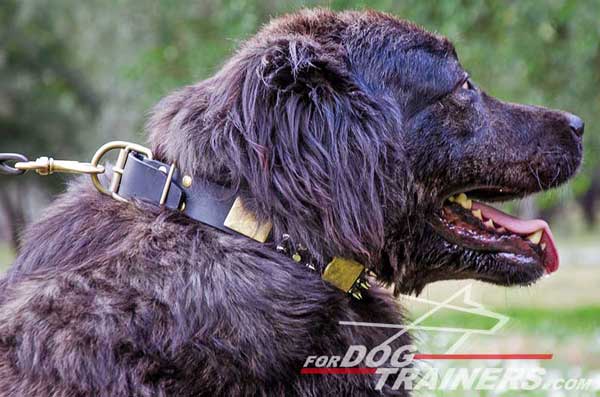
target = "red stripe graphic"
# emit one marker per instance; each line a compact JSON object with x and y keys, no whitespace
{"x":338,"y":371}
{"x":483,"y":356}
{"x":369,"y":371}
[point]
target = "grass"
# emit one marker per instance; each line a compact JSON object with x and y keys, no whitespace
{"x":572,"y":335}
{"x":532,"y":321}
{"x":578,"y":320}
{"x":6,"y":257}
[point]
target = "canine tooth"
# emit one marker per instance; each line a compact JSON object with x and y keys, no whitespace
{"x":543,"y":245}
{"x":490,"y":224}
{"x":477,"y":214}
{"x":464,"y":201}
{"x":501,"y":229}
{"x":536,"y":237}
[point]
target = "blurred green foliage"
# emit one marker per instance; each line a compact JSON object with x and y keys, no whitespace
{"x":544,"y":53}
{"x":45,"y":98}
{"x":74,"y":74}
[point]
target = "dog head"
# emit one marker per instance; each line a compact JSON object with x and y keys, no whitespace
{"x":361,"y":135}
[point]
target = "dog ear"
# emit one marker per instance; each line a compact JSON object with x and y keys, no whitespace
{"x":285,"y":121}
{"x":297,"y":62}
{"x":316,"y":144}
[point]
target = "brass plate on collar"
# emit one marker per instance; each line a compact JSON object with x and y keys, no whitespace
{"x":343,"y":273}
{"x":244,"y":222}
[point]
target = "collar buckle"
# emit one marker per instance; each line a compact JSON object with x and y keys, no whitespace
{"x":167,"y":185}
{"x":118,"y":169}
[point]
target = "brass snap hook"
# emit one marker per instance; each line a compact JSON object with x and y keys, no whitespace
{"x":47,"y":166}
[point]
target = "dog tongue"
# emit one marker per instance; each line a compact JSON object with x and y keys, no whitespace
{"x":524,"y":228}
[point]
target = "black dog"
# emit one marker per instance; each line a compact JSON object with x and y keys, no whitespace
{"x":354,"y":133}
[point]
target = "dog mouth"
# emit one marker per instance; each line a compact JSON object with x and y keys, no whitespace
{"x":469,"y":223}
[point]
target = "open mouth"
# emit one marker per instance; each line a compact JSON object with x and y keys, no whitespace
{"x":480,"y":227}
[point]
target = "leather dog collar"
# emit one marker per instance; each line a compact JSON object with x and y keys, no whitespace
{"x":218,"y":206}
{"x":212,"y":204}
{"x":137,"y":175}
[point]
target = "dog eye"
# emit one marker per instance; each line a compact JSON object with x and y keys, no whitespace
{"x":467,"y":85}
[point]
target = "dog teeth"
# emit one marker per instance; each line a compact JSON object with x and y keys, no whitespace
{"x":477,"y":214}
{"x":464,"y":201}
{"x":489,"y":224}
{"x":501,"y":230}
{"x":543,"y":246}
{"x":536,"y":237}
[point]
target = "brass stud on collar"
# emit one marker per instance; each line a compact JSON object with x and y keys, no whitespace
{"x":186,"y":181}
{"x":244,"y":222}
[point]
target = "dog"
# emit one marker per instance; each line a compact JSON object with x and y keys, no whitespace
{"x":356,"y":134}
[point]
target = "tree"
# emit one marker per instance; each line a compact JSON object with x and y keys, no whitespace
{"x":75,"y":74}
{"x":44,"y":101}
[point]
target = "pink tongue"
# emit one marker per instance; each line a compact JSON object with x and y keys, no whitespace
{"x":524,"y":228}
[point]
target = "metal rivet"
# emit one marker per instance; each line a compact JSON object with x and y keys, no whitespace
{"x":186,"y":181}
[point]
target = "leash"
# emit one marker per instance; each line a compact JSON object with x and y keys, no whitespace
{"x":137,"y":175}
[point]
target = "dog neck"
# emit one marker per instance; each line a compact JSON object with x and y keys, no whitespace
{"x":140,"y":177}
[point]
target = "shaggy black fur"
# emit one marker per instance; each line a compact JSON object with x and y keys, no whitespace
{"x":347,"y":131}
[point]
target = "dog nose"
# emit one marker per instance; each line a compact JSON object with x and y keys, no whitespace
{"x":576,"y":124}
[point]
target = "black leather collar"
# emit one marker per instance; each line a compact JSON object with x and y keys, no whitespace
{"x":136,"y":175}
{"x":201,"y":200}
{"x":158,"y":183}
